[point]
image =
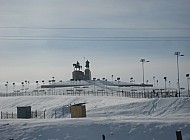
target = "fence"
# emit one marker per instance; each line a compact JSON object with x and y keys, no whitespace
{"x":11,"y":115}
{"x":119,"y":93}
{"x":8,"y":115}
{"x":62,"y":112}
{"x":130,"y":94}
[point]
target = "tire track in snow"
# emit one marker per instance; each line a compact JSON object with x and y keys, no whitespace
{"x":154,"y":106}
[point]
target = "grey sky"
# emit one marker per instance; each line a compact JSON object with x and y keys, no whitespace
{"x":41,"y":39}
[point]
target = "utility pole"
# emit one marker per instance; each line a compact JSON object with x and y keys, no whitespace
{"x":178,"y":81}
{"x":143,"y":61}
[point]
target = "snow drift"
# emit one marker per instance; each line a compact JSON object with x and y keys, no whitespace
{"x":118,"y":118}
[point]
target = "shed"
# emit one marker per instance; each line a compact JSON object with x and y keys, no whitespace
{"x":78,"y":110}
{"x":24,"y":112}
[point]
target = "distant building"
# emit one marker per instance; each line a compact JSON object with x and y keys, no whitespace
{"x":77,"y":74}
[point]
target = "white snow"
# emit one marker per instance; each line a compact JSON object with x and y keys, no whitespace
{"x":118,"y":118}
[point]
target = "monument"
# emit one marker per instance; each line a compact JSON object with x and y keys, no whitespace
{"x":77,"y":74}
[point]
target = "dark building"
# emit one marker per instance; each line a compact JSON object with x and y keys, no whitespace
{"x":24,"y":112}
{"x":87,"y":74}
{"x":78,"y":75}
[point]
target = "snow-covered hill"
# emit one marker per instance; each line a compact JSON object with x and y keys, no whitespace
{"x":118,"y":118}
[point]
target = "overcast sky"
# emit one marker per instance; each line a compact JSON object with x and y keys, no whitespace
{"x":41,"y":39}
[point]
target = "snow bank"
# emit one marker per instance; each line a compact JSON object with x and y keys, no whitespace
{"x":118,"y":118}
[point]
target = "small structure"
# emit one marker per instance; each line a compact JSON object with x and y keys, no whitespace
{"x":78,"y":110}
{"x":24,"y":112}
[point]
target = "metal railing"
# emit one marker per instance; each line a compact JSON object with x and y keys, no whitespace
{"x":119,"y":93}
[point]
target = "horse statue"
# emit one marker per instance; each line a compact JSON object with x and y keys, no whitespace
{"x":77,"y":66}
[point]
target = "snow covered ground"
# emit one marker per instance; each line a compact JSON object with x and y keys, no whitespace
{"x":118,"y":118}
